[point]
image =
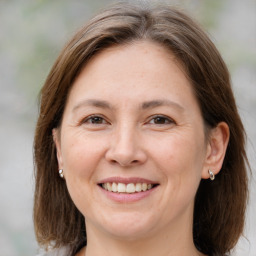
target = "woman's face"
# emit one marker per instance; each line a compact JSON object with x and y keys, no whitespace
{"x":132,"y":143}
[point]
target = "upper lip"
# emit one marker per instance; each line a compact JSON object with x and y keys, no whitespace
{"x":127,"y":180}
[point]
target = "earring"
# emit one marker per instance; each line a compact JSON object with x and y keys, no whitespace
{"x":212,"y":176}
{"x":61,"y":173}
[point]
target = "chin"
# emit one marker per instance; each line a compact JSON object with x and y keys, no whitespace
{"x":129,"y":226}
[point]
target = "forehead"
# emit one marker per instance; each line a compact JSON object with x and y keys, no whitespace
{"x":136,"y":53}
{"x":140,"y":70}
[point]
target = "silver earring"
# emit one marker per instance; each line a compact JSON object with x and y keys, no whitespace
{"x":61,"y":173}
{"x":212,"y":176}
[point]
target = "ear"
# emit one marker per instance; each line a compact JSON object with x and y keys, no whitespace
{"x":216,"y":149}
{"x":56,"y":139}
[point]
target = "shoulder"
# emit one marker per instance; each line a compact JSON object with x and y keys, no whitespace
{"x":63,"y":251}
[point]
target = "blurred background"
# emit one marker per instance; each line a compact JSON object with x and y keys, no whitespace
{"x":32,"y":33}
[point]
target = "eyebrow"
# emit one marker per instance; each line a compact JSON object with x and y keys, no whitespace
{"x":159,"y":103}
{"x":145,"y":105}
{"x":92,"y":102}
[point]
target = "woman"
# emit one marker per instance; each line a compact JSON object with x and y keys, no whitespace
{"x":139,"y":148}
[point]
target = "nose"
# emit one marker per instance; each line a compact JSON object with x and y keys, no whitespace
{"x":126,"y":147}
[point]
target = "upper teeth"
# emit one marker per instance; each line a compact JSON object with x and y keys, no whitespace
{"x":126,"y":188}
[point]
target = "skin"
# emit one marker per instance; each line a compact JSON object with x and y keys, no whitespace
{"x":150,"y":126}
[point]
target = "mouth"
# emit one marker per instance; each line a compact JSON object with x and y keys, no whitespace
{"x":130,"y":188}
{"x":127,"y":189}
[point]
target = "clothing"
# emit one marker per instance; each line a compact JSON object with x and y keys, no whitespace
{"x":63,"y":251}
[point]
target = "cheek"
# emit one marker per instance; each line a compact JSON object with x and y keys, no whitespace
{"x":180,"y":150}
{"x":81,"y":160}
{"x":181,"y":160}
{"x":81,"y":155}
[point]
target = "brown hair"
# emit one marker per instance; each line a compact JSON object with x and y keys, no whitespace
{"x":220,"y":205}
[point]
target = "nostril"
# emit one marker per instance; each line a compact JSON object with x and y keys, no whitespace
{"x":125,"y":156}
{"x":124,"y":163}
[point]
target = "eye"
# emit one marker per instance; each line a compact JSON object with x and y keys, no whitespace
{"x":94,"y":119}
{"x":161,"y":120}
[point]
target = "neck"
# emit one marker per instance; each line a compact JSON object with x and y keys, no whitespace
{"x":165,"y":243}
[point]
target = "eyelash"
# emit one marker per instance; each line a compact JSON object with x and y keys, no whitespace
{"x":99,"y":120}
{"x":167,"y":120}
{"x":90,"y":118}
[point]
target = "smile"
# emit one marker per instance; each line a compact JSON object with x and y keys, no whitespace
{"x":126,"y":188}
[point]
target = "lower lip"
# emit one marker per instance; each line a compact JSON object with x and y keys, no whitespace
{"x":126,"y":197}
